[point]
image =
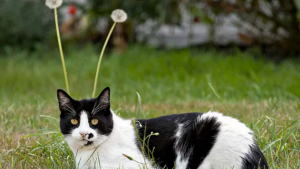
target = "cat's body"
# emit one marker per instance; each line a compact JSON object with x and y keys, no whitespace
{"x":185,"y":141}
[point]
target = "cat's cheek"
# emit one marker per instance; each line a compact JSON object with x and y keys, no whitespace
{"x":76,"y":134}
{"x":72,"y":143}
{"x":100,"y":139}
{"x":82,"y":143}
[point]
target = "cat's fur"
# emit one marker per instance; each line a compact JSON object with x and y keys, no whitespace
{"x":185,"y":141}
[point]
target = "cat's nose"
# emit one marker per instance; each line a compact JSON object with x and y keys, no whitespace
{"x":83,"y":134}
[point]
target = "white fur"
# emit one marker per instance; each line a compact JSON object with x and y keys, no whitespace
{"x":232,"y":143}
{"x":180,"y":163}
{"x":109,"y":149}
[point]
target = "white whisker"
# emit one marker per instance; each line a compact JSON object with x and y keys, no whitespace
{"x":95,"y":109}
{"x":98,"y":108}
{"x":69,"y":110}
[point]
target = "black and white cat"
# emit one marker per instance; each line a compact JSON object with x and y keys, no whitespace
{"x":99,"y":138}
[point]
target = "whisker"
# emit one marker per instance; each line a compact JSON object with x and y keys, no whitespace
{"x":94,"y":108}
{"x":70,"y":111}
{"x":97,"y":109}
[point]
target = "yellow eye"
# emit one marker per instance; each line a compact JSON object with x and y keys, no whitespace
{"x":74,"y":121}
{"x":94,"y":121}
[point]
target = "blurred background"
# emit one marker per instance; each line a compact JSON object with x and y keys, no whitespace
{"x":270,"y":25}
{"x":248,"y":49}
{"x":239,"y":57}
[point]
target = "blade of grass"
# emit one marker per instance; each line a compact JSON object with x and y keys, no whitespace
{"x":218,"y":96}
{"x":139,"y":141}
{"x":140,"y":104}
{"x":61,"y":51}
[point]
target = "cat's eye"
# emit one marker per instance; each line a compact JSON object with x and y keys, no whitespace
{"x":94,"y":121}
{"x":74,"y":121}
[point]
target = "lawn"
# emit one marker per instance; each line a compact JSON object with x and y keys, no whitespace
{"x":263,"y":94}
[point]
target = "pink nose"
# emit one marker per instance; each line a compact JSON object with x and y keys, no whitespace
{"x":83,"y":135}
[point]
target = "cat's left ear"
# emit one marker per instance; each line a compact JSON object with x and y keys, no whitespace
{"x":64,"y":100}
{"x":102,"y":102}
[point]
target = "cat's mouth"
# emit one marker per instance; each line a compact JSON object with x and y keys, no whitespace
{"x":88,"y":143}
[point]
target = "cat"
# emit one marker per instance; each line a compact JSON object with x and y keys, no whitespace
{"x":99,"y":138}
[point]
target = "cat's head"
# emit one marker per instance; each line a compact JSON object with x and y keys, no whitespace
{"x":85,"y":123}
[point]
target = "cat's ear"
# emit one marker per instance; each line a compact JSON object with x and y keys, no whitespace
{"x":102,"y":101}
{"x":64,"y":100}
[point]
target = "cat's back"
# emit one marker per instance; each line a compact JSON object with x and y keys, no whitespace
{"x":202,"y":140}
{"x":234,"y":146}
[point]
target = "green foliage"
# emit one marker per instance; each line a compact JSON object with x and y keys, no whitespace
{"x":259,"y":92}
{"x":186,"y":72}
{"x":24,"y":23}
{"x":163,"y":11}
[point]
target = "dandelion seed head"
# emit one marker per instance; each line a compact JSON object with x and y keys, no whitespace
{"x":119,"y":15}
{"x":54,"y":3}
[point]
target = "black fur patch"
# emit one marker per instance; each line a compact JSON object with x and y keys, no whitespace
{"x":89,"y":143}
{"x":196,"y":138}
{"x":91,"y":135}
{"x":200,"y":139}
{"x":255,"y":159}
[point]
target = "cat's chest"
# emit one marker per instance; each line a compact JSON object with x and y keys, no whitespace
{"x":110,"y":157}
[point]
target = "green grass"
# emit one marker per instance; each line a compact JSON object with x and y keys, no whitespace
{"x":263,"y":94}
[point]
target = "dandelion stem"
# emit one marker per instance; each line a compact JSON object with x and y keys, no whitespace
{"x":101,"y":55}
{"x":61,"y":51}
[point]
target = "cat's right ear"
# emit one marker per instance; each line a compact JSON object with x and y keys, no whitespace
{"x":64,"y":100}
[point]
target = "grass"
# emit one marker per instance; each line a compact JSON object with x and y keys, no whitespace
{"x":263,"y":94}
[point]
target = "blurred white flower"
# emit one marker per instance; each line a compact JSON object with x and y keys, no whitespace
{"x":118,"y":15}
{"x":53,"y":3}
